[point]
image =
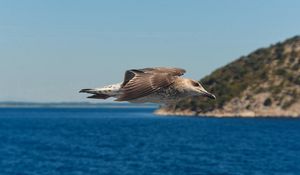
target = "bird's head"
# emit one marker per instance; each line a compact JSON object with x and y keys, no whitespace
{"x":196,"y":89}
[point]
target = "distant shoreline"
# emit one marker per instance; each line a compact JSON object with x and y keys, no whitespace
{"x":73,"y":105}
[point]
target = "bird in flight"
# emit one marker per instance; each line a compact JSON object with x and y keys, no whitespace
{"x":151,"y":85}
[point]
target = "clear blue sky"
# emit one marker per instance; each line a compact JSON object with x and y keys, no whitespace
{"x":51,"y":49}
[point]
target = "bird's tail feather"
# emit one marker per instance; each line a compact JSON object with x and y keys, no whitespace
{"x":98,"y":94}
{"x":104,"y":92}
{"x":90,"y":91}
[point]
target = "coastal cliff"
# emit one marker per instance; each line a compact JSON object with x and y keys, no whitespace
{"x":264,"y":83}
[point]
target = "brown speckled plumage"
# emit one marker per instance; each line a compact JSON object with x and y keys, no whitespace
{"x":154,"y":85}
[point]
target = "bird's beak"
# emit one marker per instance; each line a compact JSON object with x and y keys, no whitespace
{"x":209,"y":95}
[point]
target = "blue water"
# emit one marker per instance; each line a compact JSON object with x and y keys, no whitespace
{"x":133,"y":141}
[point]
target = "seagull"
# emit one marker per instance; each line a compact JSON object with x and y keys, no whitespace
{"x":151,"y":85}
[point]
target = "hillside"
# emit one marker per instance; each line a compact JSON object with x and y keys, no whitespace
{"x":264,"y":83}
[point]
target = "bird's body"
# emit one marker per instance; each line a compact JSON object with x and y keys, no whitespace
{"x":151,"y":85}
{"x":166,"y":95}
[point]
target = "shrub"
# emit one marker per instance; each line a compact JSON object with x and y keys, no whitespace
{"x":268,"y":102}
{"x":281,"y":72}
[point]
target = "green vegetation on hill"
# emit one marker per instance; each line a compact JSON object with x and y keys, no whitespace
{"x":274,"y":70}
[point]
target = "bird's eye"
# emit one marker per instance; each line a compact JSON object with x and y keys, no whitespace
{"x":195,"y":84}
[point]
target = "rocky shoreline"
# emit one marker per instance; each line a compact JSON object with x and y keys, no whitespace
{"x":244,"y":114}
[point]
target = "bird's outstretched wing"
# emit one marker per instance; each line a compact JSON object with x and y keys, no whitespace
{"x":171,"y":71}
{"x":142,"y":82}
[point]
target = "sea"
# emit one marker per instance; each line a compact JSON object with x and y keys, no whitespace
{"x":131,"y":140}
